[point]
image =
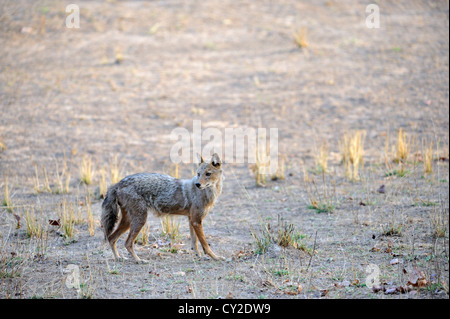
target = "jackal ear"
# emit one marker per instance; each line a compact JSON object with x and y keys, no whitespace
{"x":215,"y":161}
{"x":200,"y":158}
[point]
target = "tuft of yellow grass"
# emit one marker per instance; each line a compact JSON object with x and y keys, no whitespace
{"x":67,"y":219}
{"x":143,"y":235}
{"x":170,"y":226}
{"x":7,"y":198}
{"x":428,"y":158}
{"x":259,"y":169}
{"x":300,"y":38}
{"x":34,"y":226}
{"x":403,"y":150}
{"x":352,"y":148}
{"x":87,"y":172}
{"x":119,"y":56}
{"x":115,"y":171}
{"x":439,"y":218}
{"x":67,"y":184}
{"x":64,"y":176}
{"x":47,"y":187}
{"x":403,"y":147}
{"x":322,"y":158}
{"x":2,"y":145}
{"x":62,"y":184}
{"x":279,"y":174}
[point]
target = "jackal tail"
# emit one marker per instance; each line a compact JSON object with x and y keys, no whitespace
{"x":109,"y":211}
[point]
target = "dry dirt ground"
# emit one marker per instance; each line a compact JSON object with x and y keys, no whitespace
{"x":136,"y":70}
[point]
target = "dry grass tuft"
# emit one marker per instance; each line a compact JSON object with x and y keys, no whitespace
{"x":67,"y":220}
{"x":259,"y":169}
{"x":403,"y":147}
{"x":2,"y":145}
{"x":428,"y":158}
{"x":439,"y":217}
{"x":285,"y":236}
{"x":115,"y":170}
{"x":300,"y":38}
{"x":143,"y":236}
{"x":279,"y":174}
{"x":86,"y":171}
{"x":169,"y":223}
{"x":352,"y":148}
{"x":7,"y":197}
{"x":170,"y":227}
{"x":321,"y":158}
{"x":34,"y":226}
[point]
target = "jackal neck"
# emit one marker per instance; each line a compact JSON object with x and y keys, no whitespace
{"x":208,"y":195}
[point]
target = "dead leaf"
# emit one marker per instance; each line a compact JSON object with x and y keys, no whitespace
{"x":54,"y":222}
{"x":294,"y":289}
{"x":388,"y":250}
{"x":229,"y":296}
{"x":323,"y":292}
{"x":362,"y":203}
{"x":382,"y":189}
{"x":417,"y":278}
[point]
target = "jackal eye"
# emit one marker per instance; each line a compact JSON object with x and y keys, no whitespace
{"x":208,"y":174}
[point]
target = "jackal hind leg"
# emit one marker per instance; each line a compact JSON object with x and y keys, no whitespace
{"x":124,"y":225}
{"x":137,"y":221}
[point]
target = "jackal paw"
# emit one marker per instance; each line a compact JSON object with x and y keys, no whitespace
{"x":219,"y":258}
{"x":216,"y":258}
{"x":120,"y":259}
{"x":142,"y":261}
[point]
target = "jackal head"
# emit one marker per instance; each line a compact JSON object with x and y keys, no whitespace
{"x":208,"y":174}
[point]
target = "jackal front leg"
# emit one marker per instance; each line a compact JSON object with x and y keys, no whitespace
{"x":198,"y":228}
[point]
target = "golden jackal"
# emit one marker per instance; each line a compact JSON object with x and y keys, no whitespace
{"x":162,"y":194}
